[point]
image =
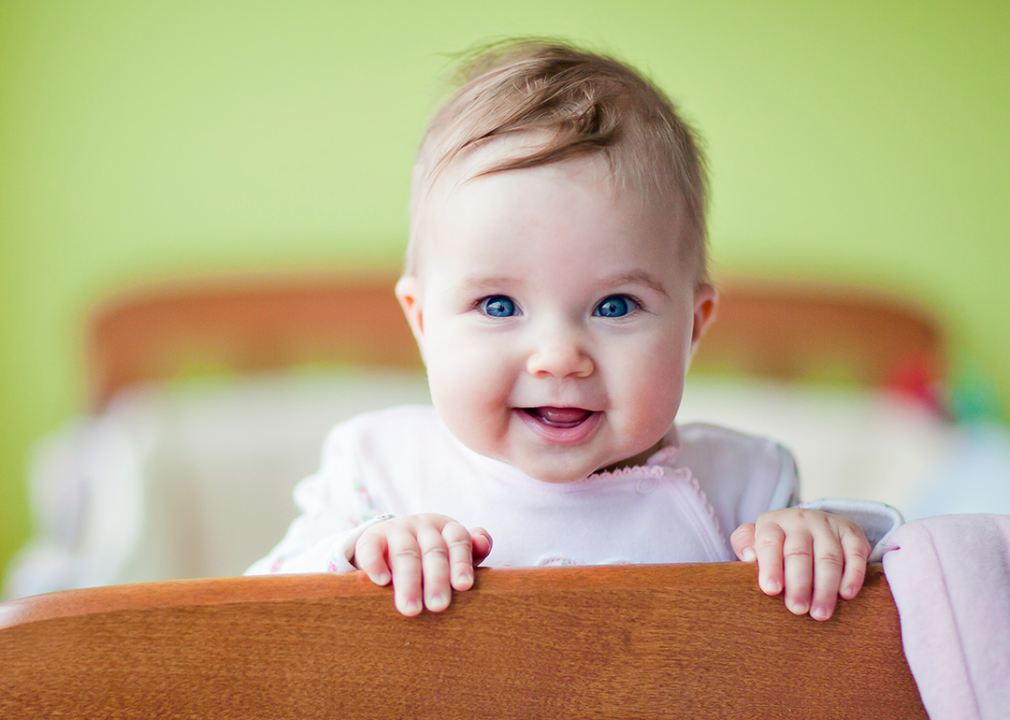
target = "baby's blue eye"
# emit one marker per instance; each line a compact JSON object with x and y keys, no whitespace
{"x":614,"y":306}
{"x":499,"y":306}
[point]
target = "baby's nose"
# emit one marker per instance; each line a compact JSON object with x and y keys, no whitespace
{"x":560,"y":357}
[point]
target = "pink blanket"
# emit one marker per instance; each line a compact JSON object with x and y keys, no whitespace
{"x":950,"y":576}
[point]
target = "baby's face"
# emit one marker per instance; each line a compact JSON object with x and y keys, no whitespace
{"x":555,"y":318}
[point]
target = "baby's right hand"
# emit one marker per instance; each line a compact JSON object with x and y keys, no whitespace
{"x":433,"y":552}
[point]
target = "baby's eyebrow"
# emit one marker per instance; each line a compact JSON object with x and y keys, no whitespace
{"x":636,"y":277}
{"x":477,"y":282}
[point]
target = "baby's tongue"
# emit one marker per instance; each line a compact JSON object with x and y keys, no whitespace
{"x":563,"y":416}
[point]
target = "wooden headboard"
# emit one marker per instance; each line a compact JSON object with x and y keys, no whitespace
{"x":251,"y":325}
{"x":660,"y":641}
{"x":780,"y":330}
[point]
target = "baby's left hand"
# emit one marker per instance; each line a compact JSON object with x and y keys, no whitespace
{"x":814,"y":555}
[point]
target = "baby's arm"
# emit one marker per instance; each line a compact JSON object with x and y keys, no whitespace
{"x":813,"y":555}
{"x":424,"y":555}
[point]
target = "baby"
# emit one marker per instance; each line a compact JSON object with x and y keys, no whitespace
{"x":556,"y":284}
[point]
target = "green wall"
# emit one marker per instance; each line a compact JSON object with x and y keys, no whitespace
{"x":862,"y":142}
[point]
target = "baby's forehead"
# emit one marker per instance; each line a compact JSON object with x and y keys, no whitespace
{"x":566,"y":207}
{"x":448,"y":198}
{"x":482,"y":167}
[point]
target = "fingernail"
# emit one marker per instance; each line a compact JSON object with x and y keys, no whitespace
{"x":382,"y":579}
{"x":820,"y":613}
{"x":438,"y":602}
{"x":748,"y":554}
{"x":771,"y":587}
{"x":412,"y":608}
{"x":799,"y":608}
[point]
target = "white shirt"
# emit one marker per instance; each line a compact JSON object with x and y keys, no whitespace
{"x":678,"y":507}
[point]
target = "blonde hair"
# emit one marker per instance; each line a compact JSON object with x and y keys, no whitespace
{"x":583,"y":104}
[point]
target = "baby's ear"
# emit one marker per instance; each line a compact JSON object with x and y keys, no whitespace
{"x":408,"y":292}
{"x":705,"y":301}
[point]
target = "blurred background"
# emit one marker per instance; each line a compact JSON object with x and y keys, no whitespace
{"x":863,"y":144}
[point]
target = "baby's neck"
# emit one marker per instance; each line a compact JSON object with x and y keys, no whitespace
{"x":634,"y":460}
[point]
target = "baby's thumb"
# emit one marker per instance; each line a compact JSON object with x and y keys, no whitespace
{"x":742,"y":541}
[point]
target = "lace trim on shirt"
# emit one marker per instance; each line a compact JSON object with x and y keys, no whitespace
{"x":690,"y":478}
{"x":647,"y":470}
{"x":653,"y":467}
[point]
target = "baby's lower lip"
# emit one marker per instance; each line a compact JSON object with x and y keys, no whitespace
{"x":560,"y":425}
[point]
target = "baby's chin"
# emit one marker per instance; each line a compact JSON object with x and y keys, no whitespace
{"x":560,"y":471}
{"x":555,"y":465}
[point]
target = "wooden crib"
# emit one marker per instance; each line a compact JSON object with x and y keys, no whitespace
{"x":659,"y":641}
{"x":677,"y":641}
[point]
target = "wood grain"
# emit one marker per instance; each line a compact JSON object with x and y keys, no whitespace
{"x":663,"y":641}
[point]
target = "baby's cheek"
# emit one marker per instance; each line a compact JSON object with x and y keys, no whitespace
{"x":470,"y":397}
{"x":653,"y":397}
{"x":655,"y":410}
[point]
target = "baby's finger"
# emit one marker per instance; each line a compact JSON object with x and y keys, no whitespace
{"x":742,"y":541}
{"x":435,"y":567}
{"x":457,"y":539}
{"x":370,"y":556}
{"x":480,"y":543}
{"x":797,"y":551}
{"x":828,"y":563}
{"x":857,"y":550}
{"x":405,"y":561}
{"x":768,"y":539}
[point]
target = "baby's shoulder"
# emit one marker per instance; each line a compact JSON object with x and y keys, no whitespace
{"x":737,"y":469}
{"x":703,"y":442}
{"x":395,"y":426}
{"x":391,"y":439}
{"x":401,"y":455}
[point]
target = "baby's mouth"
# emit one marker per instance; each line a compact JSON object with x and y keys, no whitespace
{"x":561,"y":425}
{"x":567,"y":417}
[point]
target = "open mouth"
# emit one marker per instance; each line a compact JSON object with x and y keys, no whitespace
{"x":560,"y":417}
{"x":562,"y":425}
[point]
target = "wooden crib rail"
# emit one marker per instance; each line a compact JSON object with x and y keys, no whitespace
{"x":662,"y":641}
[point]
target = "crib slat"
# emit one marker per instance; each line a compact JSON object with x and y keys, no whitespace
{"x":664,"y":641}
